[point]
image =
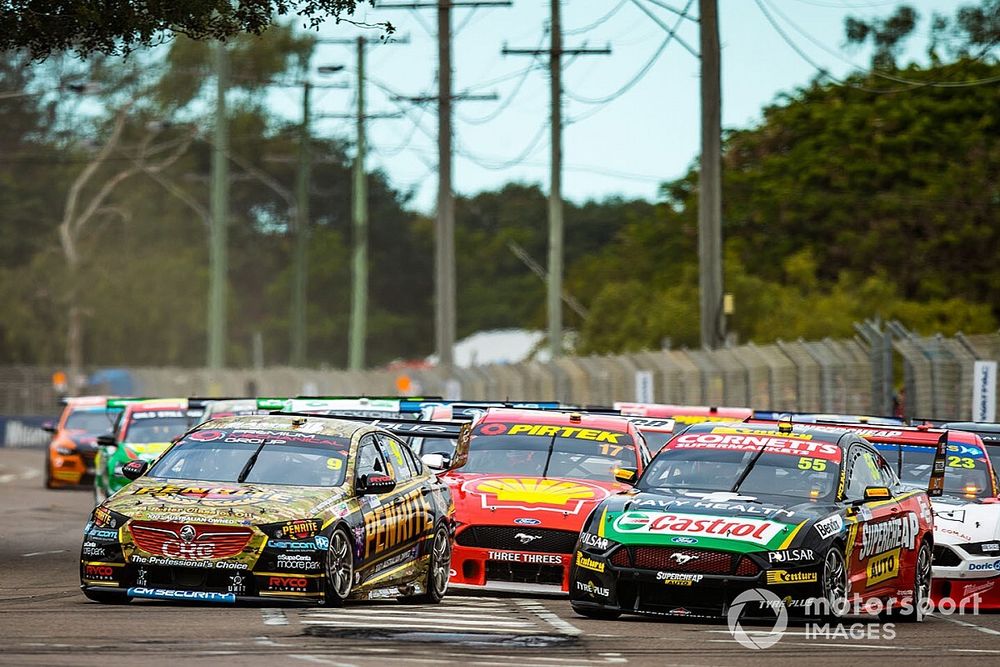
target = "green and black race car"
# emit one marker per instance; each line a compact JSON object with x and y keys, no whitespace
{"x":143,"y":430}
{"x":807,"y":518}
{"x":259,"y":507}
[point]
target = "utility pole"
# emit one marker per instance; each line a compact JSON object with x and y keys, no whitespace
{"x":357,"y":331}
{"x":359,"y":264}
{"x":555,"y":272}
{"x":218,"y":260}
{"x":444,"y":229}
{"x":713,"y":324}
{"x":299,"y":265}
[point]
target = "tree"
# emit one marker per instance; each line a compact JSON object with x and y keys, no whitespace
{"x":82,"y":208}
{"x":887,"y":35}
{"x":115,"y":27}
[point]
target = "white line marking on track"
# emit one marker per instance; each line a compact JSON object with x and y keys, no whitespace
{"x":966,"y":624}
{"x":974,"y":650}
{"x":318,"y":660}
{"x":829,"y":644}
{"x":428,"y":628}
{"x":435,"y":621}
{"x":267,"y":641}
{"x":43,"y":553}
{"x":274,"y":617}
{"x":563,"y":626}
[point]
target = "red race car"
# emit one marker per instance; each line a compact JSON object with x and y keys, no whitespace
{"x":531,"y":480}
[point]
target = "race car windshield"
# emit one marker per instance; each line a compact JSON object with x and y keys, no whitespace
{"x":549,"y":455}
{"x":156,"y":429}
{"x":720,"y":469}
{"x":91,"y":422}
{"x":966,"y":473}
{"x":655,"y":440}
{"x":298,"y":459}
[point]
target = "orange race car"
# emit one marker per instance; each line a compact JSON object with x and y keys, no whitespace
{"x":69,"y":458}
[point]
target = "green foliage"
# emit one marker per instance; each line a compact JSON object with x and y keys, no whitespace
{"x":116,"y":27}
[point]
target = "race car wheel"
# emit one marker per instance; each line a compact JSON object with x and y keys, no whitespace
{"x":106,"y":598}
{"x":438,"y":570}
{"x":835,"y":581}
{"x":920,"y":604}
{"x":597,"y":614}
{"x":50,"y":483}
{"x":339,"y":567}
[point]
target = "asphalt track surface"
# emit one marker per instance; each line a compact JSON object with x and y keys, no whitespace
{"x":45,"y":620}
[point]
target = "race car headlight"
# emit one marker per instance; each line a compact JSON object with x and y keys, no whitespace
{"x":63,"y":450}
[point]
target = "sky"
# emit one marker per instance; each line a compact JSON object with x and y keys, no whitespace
{"x":631,"y":118}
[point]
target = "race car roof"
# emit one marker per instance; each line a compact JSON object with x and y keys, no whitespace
{"x":85,"y":401}
{"x":812,"y":432}
{"x":157,"y":404}
{"x":279,"y":422}
{"x":668,"y":410}
{"x":556,"y":418}
{"x":988,"y":431}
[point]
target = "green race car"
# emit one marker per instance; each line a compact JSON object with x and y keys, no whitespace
{"x":143,"y":431}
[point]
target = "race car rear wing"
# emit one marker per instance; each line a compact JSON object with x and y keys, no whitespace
{"x":823,"y":418}
{"x":461,"y":432}
{"x":653,"y":423}
{"x":936,"y":485}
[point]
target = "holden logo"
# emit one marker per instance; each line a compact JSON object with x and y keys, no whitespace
{"x":683,"y":558}
{"x":188,"y":533}
{"x":527,"y":539}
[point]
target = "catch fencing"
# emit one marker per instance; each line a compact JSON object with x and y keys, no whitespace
{"x":885,"y":369}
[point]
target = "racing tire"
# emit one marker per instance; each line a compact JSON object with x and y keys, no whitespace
{"x":438,"y":570}
{"x":339,"y":568}
{"x":106,"y":598}
{"x":920,"y":604}
{"x":50,"y":482}
{"x":597,"y":614}
{"x":834,"y":582}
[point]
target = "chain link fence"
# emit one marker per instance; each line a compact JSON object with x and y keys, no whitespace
{"x":885,"y":369}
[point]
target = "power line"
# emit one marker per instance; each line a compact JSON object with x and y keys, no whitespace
{"x":505,"y":164}
{"x":590,"y":26}
{"x":883,"y":73}
{"x":671,"y":35}
{"x":909,"y":84}
{"x":672,"y":32}
{"x":628,"y":85}
{"x":509,"y":98}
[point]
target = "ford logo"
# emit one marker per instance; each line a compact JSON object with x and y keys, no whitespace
{"x":684,"y":540}
{"x":527,"y":521}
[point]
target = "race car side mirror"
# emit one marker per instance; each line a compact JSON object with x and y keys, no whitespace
{"x":49,"y":426}
{"x":436,"y":461}
{"x":133,"y":470}
{"x":625,"y":475}
{"x":375,"y":485}
{"x":106,"y":440}
{"x":874,"y":493}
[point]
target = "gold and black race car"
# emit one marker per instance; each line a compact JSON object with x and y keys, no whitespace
{"x":261,"y":507}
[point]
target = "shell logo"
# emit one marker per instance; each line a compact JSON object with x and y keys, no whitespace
{"x":536,"y":494}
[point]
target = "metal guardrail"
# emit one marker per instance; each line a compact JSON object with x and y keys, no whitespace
{"x":852,"y":376}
